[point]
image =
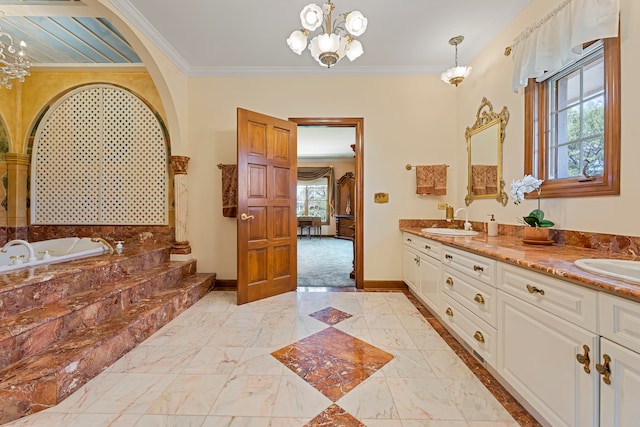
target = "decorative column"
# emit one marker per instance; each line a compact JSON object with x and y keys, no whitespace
{"x":179,"y":167}
{"x":17,"y":174}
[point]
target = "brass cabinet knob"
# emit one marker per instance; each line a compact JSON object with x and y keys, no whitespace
{"x":583,"y":359}
{"x":605,"y":369}
{"x":478,"y":336}
{"x":534,"y":290}
{"x":449,"y":312}
{"x":449,"y":281}
{"x":479,"y":299}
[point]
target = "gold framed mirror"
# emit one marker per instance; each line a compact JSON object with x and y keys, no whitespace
{"x":484,"y":154}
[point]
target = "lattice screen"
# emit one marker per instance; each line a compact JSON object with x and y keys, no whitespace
{"x":99,"y":157}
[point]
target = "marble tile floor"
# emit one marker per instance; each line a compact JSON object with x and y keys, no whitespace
{"x":299,"y":359}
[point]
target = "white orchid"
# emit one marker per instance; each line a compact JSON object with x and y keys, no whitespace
{"x":525,"y":185}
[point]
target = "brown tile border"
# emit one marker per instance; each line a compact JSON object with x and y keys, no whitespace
{"x":517,"y":411}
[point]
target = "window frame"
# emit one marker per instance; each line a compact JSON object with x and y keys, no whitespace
{"x":536,"y":130}
{"x":328,"y":207}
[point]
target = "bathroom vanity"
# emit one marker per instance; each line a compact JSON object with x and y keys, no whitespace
{"x":565,"y":343}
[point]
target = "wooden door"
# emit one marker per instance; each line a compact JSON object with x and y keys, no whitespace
{"x":267,"y":228}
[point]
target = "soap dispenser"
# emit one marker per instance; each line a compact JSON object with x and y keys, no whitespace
{"x":492,"y":227}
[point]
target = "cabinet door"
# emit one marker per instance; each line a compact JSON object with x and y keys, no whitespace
{"x":619,"y":400}
{"x":430,"y":282}
{"x":537,"y":357}
{"x":411,"y":265}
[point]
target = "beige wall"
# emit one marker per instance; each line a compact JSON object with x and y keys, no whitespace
{"x":491,"y":77}
{"x":406,"y":120}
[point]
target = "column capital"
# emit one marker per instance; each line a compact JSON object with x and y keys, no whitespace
{"x":17,"y":158}
{"x":179,"y":164}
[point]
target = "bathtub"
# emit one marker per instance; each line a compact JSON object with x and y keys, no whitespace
{"x":50,"y":251}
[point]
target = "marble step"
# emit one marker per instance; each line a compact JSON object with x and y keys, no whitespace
{"x":43,"y":380}
{"x":29,"y":288}
{"x":29,"y":332}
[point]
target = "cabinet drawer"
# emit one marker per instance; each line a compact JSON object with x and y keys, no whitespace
{"x":620,"y":320}
{"x":476,"y":266}
{"x":475,"y":295}
{"x":423,"y":245}
{"x":475,"y":332}
{"x":571,"y":302}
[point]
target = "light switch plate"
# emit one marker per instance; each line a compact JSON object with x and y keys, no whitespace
{"x":381,"y":197}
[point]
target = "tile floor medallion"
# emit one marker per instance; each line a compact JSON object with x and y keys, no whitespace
{"x":330,"y":315}
{"x":333,"y":362}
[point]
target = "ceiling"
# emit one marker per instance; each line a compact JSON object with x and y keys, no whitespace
{"x":248,"y":38}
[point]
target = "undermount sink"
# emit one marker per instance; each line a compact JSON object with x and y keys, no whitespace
{"x":618,"y":268}
{"x":449,"y":231}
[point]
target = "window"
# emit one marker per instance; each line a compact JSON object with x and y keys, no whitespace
{"x":572,"y":126}
{"x":312,"y":199}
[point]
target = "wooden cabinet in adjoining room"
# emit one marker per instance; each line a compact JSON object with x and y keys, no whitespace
{"x":345,"y":205}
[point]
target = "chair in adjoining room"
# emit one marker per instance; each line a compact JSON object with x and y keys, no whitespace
{"x":305,"y":223}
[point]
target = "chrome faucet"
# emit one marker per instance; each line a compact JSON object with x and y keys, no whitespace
{"x":467,"y":224}
{"x":104,"y":242}
{"x":32,"y":253}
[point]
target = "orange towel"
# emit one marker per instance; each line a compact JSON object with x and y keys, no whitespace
{"x":431,"y":179}
{"x":230,"y":191}
{"x":492,"y":179}
{"x":479,"y":179}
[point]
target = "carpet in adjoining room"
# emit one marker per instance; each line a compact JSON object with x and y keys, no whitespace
{"x":325,"y":261}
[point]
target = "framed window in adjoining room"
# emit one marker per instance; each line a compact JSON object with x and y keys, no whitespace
{"x":572,"y":125}
{"x":312,"y":199}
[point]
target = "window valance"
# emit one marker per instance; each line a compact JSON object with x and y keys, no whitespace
{"x":557,"y":39}
{"x":313,"y":173}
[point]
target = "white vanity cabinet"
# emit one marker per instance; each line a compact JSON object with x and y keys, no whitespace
{"x":422,"y":268}
{"x":469,"y":297}
{"x":410,"y":265}
{"x":548,"y":345}
{"x":619,"y":362}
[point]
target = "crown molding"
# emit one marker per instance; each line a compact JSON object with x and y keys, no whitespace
{"x":144,"y":26}
{"x":335,"y":71}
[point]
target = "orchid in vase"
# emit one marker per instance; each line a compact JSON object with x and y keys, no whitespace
{"x":526,"y":185}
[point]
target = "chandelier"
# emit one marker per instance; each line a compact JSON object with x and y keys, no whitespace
{"x":335,"y":40}
{"x":14,"y":63}
{"x":455,"y":75}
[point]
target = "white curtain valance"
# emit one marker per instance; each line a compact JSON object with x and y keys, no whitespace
{"x":557,"y":39}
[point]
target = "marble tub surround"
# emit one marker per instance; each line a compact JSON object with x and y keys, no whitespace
{"x":130,"y":234}
{"x":556,"y":260}
{"x":62,"y":324}
{"x":213,"y":366}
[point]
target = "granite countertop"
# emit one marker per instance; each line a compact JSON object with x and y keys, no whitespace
{"x":555,"y":260}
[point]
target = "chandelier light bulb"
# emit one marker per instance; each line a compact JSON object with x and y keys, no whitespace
{"x":336,"y":38}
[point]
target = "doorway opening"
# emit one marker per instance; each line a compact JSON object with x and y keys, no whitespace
{"x":347,"y":227}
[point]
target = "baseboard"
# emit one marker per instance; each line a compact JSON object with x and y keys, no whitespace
{"x":232,"y":285}
{"x":226,"y":285}
{"x":384,"y":284}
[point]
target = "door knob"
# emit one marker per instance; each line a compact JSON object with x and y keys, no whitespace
{"x":245,"y":217}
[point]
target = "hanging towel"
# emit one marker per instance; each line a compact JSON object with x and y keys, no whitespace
{"x":492,"y":179}
{"x":440,"y":180}
{"x":479,"y":180}
{"x":431,"y":179}
{"x":229,"y":191}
